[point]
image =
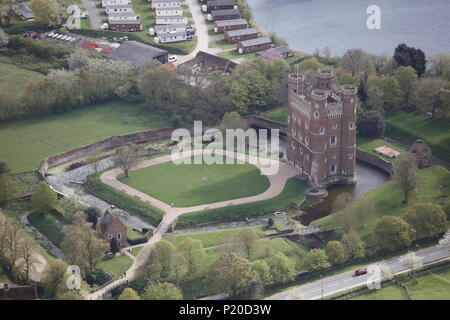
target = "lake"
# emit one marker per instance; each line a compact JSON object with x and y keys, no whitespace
{"x":341,"y":25}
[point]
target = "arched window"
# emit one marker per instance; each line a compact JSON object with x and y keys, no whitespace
{"x":335,"y":126}
{"x":294,"y":132}
{"x":307,"y":141}
{"x":301,"y":150}
{"x":316,"y":114}
{"x":300,"y":135}
{"x":333,"y":140}
{"x":293,"y":145}
{"x":322,"y":130}
{"x":351,"y":125}
{"x":350,"y":156}
{"x":333,"y":168}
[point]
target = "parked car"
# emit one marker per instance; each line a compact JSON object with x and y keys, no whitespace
{"x":172,"y":59}
{"x":360,"y":272}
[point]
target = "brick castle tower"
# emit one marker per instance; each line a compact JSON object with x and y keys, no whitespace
{"x":321,"y":132}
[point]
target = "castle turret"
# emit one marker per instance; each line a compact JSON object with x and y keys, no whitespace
{"x":296,"y":82}
{"x":324,"y":79}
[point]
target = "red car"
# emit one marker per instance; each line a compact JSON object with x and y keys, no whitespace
{"x":360,"y":271}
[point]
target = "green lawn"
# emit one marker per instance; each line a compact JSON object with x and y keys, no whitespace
{"x":13,"y":79}
{"x":25,"y":143}
{"x":279,"y":115}
{"x":115,"y":265}
{"x":133,"y":235}
{"x":222,"y":44}
{"x":234,"y":54}
{"x":435,"y":286}
{"x":135,"y":251}
{"x":187,"y":185}
{"x":370,"y":144}
{"x":433,"y":183}
{"x":48,"y":225}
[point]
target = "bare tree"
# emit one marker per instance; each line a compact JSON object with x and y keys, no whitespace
{"x":28,"y":254}
{"x":364,"y":209}
{"x":126,"y":157}
{"x":445,"y":242}
{"x":406,"y":175}
{"x":412,"y":262}
{"x":7,"y":11}
{"x":356,"y":61}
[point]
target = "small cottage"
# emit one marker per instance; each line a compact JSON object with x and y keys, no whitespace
{"x":234,"y":24}
{"x":227,"y":14}
{"x":111,"y":227}
{"x":219,"y":5}
{"x":233,"y":36}
{"x":254,"y":45}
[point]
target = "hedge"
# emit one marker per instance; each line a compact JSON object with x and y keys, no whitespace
{"x":292,"y":196}
{"x":407,"y":138}
{"x":148,"y":212}
{"x":109,"y":35}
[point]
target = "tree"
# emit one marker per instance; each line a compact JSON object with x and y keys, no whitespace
{"x":433,"y":95}
{"x":336,"y":252}
{"x":48,"y":12}
{"x":277,"y":40}
{"x":282,"y":268}
{"x":310,"y":64}
{"x":179,"y":265}
{"x":11,"y":239}
{"x":28,"y":255}
{"x":44,"y":198}
{"x":232,"y":120}
{"x":364,"y":209}
{"x":126,"y":157}
{"x":162,"y":291}
{"x":162,"y":254}
{"x":444,"y":243}
{"x":385,"y":271}
{"x":70,"y":295}
{"x":114,"y":246}
{"x":316,"y":259}
{"x":440,"y":66}
{"x":429,"y":220}
{"x":249,"y":92}
{"x":370,"y":124}
{"x":78,"y":59}
{"x":354,"y":246}
{"x":270,"y":222}
{"x":382,"y":93}
{"x":6,"y":186}
{"x":263,"y":270}
{"x":7,"y":12}
{"x":412,"y":262}
{"x":81,"y":245}
{"x":410,"y":56}
{"x":356,"y":61}
{"x":231,"y":273}
{"x":392,"y":233}
{"x":193,"y":253}
{"x":53,"y":275}
{"x":129,"y":294}
{"x":92,"y":215}
{"x":246,"y":240}
{"x":406,"y":175}
{"x":3,"y":38}
{"x":407,"y":80}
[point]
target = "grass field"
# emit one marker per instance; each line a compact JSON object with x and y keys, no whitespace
{"x":279,"y":115}
{"x":49,"y":226}
{"x":115,"y":265}
{"x":25,"y":143}
{"x":435,"y":286}
{"x":234,"y":54}
{"x":222,"y":44}
{"x":433,"y":183}
{"x":187,"y":185}
{"x":13,"y":80}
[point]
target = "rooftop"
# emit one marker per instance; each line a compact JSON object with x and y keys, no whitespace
{"x":255,"y":42}
{"x":220,"y":3}
{"x":136,"y":53}
{"x":232,"y":22}
{"x":225,"y":12}
{"x":241,"y":32}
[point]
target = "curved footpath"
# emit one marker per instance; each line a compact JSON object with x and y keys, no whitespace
{"x":277,"y":183}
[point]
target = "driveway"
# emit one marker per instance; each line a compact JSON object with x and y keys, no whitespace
{"x":96,"y":19}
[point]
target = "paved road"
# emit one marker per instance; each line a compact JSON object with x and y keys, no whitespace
{"x":277,"y":183}
{"x":96,"y":19}
{"x":346,"y":280}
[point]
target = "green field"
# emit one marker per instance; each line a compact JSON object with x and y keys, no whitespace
{"x":234,"y":54}
{"x":434,"y":286}
{"x":115,"y":265}
{"x":25,"y":143}
{"x":222,"y":44}
{"x":13,"y":80}
{"x":188,"y":185}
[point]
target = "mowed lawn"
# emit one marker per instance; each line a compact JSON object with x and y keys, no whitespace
{"x":13,"y":80}
{"x":115,"y":266}
{"x":25,"y":143}
{"x":187,"y":185}
{"x":435,"y":286}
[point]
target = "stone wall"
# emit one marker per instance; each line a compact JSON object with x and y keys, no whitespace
{"x":108,"y":143}
{"x":375,"y":161}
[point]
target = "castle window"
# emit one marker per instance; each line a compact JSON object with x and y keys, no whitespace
{"x":110,"y":236}
{"x":352,"y":100}
{"x":294,"y":132}
{"x":293,"y":145}
{"x":344,"y":171}
{"x":119,"y":236}
{"x":351,"y":125}
{"x":334,"y":156}
{"x":299,"y":120}
{"x":316,"y":114}
{"x":350,"y":156}
{"x":333,"y":140}
{"x":307,"y":141}
{"x":307,"y":157}
{"x":333,"y":168}
{"x":300,"y":135}
{"x":322,"y":130}
{"x":301,"y":150}
{"x":335,"y":126}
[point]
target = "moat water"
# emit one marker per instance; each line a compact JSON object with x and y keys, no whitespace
{"x":369,"y":178}
{"x":341,"y":25}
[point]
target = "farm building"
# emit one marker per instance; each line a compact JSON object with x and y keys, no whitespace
{"x":203,"y":63}
{"x":17,"y":292}
{"x":23,"y":11}
{"x":168,"y":12}
{"x":124,"y":25}
{"x":115,"y":2}
{"x":254,"y":45}
{"x":138,"y":53}
{"x":219,"y":5}
{"x":172,"y":37}
{"x":234,"y":24}
{"x":124,"y":8}
{"x":166,"y":4}
{"x":123,"y":17}
{"x":171,"y":20}
{"x":227,"y":14}
{"x":233,"y":36}
{"x":282,"y":52}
